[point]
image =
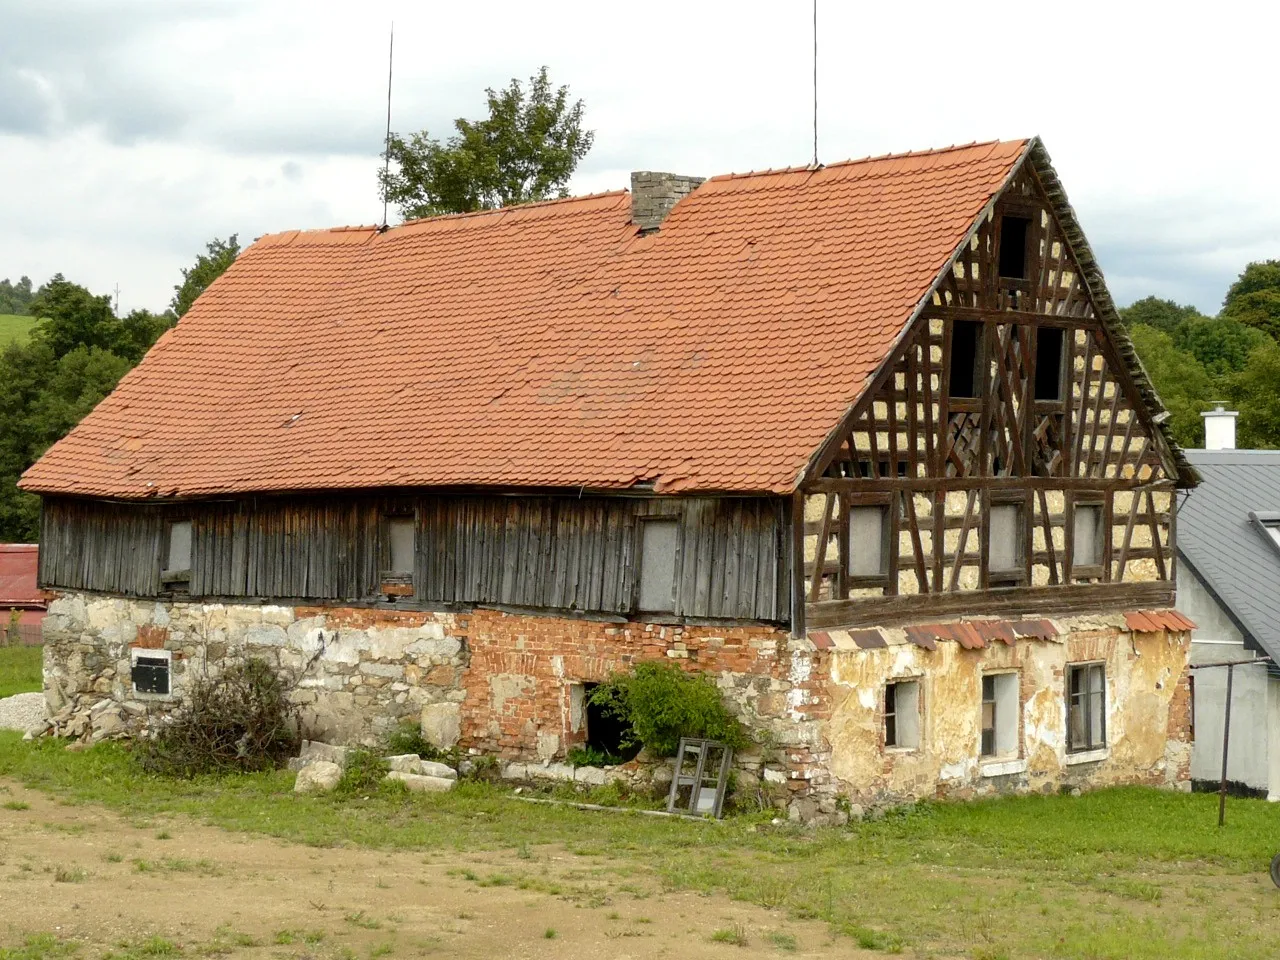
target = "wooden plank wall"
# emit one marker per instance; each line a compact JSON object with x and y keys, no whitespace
{"x":563,"y":553}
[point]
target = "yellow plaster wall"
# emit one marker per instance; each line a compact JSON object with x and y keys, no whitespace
{"x":1142,"y":673}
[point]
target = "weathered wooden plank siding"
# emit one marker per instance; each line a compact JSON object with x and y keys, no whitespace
{"x":564,"y":553}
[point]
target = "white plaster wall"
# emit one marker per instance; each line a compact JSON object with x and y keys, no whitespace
{"x":1217,"y":639}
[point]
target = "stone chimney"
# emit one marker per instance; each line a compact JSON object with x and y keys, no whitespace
{"x":654,"y":194}
{"x":1219,"y":428}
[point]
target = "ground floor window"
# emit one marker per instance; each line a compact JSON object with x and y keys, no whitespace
{"x":1086,"y":707}
{"x":902,"y":714}
{"x":609,"y":737}
{"x":150,"y":672}
{"x":999,"y":714}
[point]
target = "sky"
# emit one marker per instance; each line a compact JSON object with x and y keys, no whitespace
{"x":131,"y":133}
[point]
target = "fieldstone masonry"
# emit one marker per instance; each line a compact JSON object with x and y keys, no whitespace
{"x":509,"y":686}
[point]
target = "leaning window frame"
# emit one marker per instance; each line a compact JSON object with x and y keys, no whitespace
{"x":1089,"y":746}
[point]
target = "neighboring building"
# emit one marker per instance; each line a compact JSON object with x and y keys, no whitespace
{"x":1229,"y":584}
{"x":865,"y":442}
{"x":22,"y":602}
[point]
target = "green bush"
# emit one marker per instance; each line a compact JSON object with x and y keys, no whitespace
{"x":242,"y":721}
{"x":363,"y":773}
{"x":590,"y":756}
{"x":662,"y":703}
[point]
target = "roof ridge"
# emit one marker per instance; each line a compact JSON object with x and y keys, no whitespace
{"x":876,"y":158}
{"x":510,"y":207}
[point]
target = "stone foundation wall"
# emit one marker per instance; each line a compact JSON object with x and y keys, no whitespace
{"x":508,"y":685}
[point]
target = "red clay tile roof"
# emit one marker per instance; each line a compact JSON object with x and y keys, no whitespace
{"x":18,"y":567}
{"x":1153,"y":621}
{"x":546,"y":345}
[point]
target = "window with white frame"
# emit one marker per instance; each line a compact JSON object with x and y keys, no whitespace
{"x":999,"y":715}
{"x":1086,"y":707}
{"x":868,"y":541}
{"x":902,"y":714}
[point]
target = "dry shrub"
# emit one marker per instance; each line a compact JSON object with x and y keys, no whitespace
{"x":242,"y":721}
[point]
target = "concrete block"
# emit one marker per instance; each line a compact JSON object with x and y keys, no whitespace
{"x":320,"y":776}
{"x":404,"y":763}
{"x":430,"y":768}
{"x":422,"y":784}
{"x":441,"y":724}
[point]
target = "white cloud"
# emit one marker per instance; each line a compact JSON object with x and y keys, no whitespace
{"x":131,"y":133}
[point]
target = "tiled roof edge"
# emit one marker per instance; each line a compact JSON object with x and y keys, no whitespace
{"x":1175,"y":461}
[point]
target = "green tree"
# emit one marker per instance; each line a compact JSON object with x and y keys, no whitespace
{"x":1254,"y":298}
{"x":1221,"y":344}
{"x":1179,"y":378}
{"x":77,"y":354}
{"x":209,"y":266}
{"x":1154,"y":312}
{"x":16,"y":297}
{"x":1256,"y":393}
{"x":525,"y":150}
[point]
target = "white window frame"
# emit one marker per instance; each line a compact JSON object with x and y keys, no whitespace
{"x":1006,"y":705}
{"x":905,"y":718}
{"x":1090,"y":747}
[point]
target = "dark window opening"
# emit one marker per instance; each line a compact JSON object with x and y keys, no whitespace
{"x":151,"y":675}
{"x":1013,"y":247}
{"x":966,"y":359}
{"x":607,"y":732}
{"x":1086,"y":707}
{"x":1049,"y":363}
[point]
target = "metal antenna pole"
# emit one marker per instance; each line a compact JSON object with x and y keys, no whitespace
{"x":387,"y":142}
{"x":815,"y":82}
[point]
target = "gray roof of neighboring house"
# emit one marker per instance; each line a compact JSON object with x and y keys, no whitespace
{"x":1227,"y":548}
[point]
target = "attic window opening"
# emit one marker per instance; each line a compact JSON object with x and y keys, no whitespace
{"x":869,"y":541}
{"x":177,"y":553}
{"x":1006,"y":541}
{"x":1087,"y":534}
{"x":400,"y":546}
{"x":1049,"y":356}
{"x":658,"y":541}
{"x":966,"y":359}
{"x":1013,"y":247}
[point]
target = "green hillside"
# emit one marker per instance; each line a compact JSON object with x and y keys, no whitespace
{"x":14,"y":327}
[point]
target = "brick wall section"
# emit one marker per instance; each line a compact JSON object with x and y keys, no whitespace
{"x":521,"y":669}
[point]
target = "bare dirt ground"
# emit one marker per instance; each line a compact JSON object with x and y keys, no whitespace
{"x":113,"y":885}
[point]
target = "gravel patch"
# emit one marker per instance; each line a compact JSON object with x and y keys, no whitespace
{"x":22,"y":711}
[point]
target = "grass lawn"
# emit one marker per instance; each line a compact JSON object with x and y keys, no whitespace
{"x":20,"y":670}
{"x":14,"y":327}
{"x":1128,"y":872}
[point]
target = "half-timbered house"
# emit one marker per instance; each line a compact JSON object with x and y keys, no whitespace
{"x":866,"y":442}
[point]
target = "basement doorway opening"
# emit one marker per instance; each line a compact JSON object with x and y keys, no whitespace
{"x":609,"y":736}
